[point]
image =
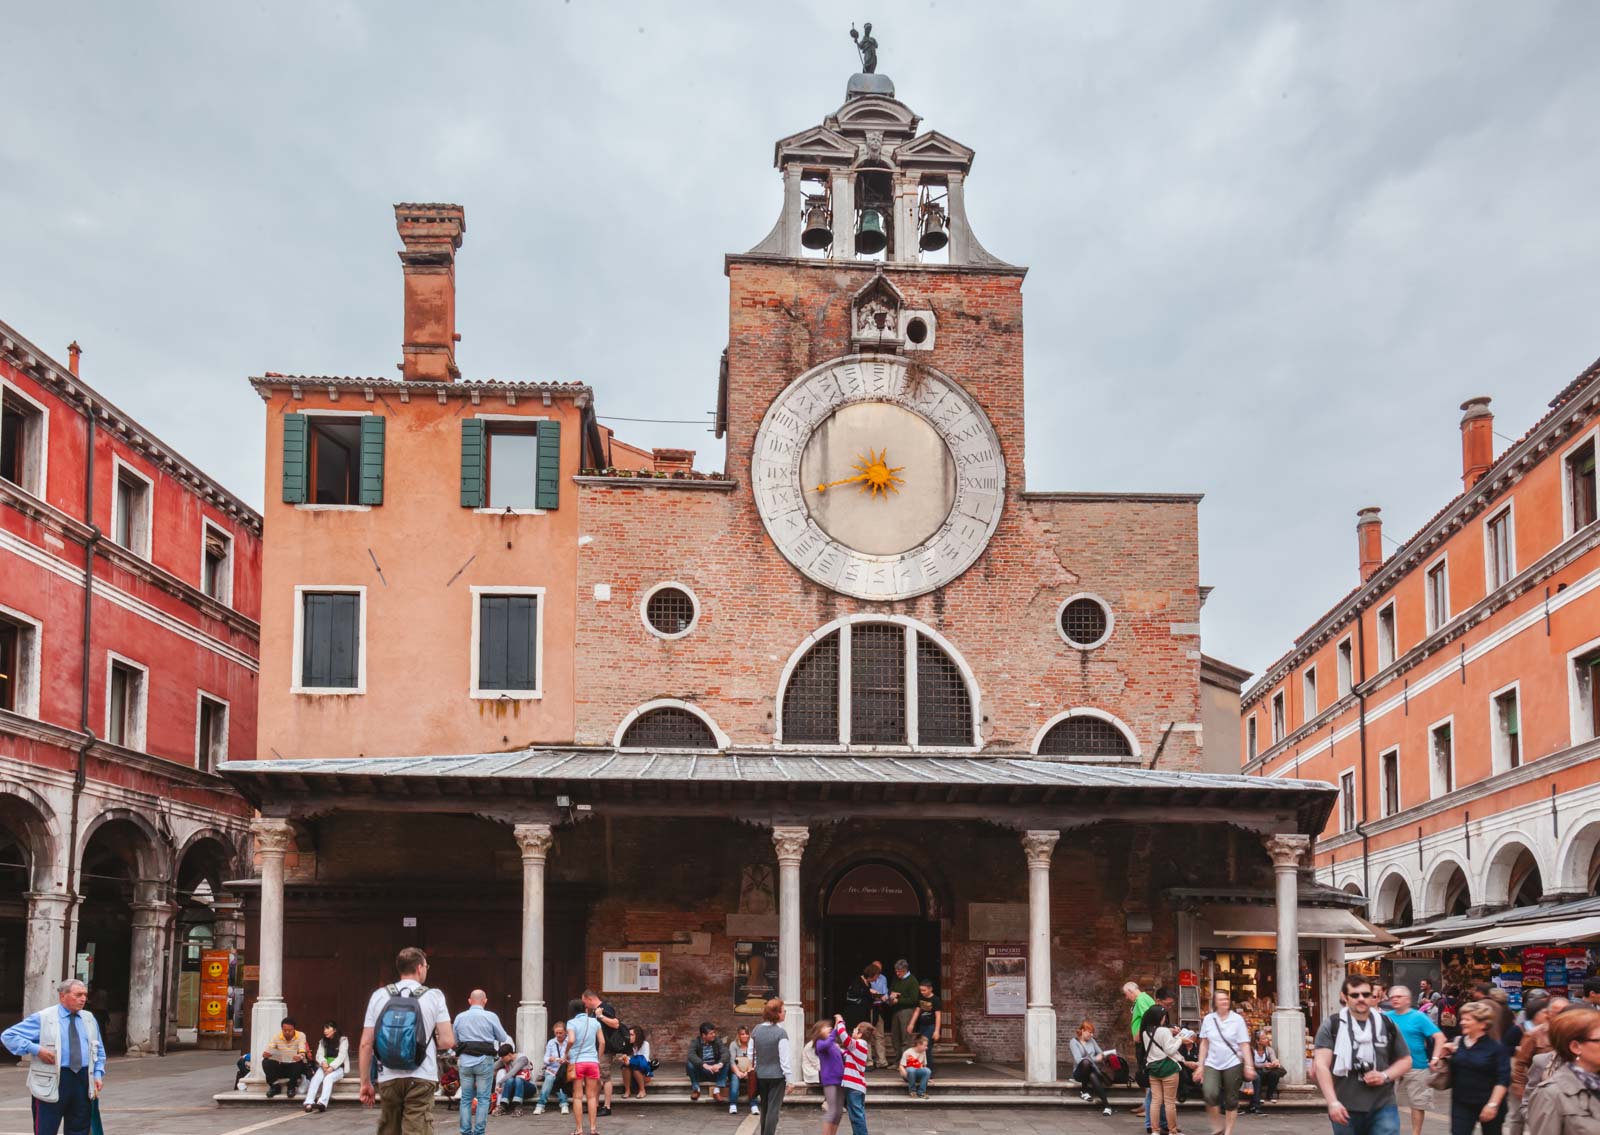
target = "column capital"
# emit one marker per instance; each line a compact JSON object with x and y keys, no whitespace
{"x":39,"y":901}
{"x":1287,"y":850}
{"x":791,"y":843}
{"x":1038,"y":846}
{"x":535,"y":840}
{"x":274,"y":836}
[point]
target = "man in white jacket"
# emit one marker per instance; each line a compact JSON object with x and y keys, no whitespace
{"x":69,"y":1060}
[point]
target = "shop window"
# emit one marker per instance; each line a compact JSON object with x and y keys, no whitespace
{"x":130,"y":511}
{"x":1438,"y":588}
{"x":211,"y":734}
{"x":216,"y":563}
{"x":1505,"y":718}
{"x":1347,"y":666}
{"x":1308,"y":688}
{"x":1088,"y":737}
{"x":1279,"y":726}
{"x":330,"y":629}
{"x":668,"y":727}
{"x":1250,"y":739}
{"x":1581,"y":503}
{"x":1389,"y":772}
{"x":1441,"y":751}
{"x":1347,"y":801}
{"x":1386,"y":636}
{"x":506,"y":632}
{"x":1500,"y":556}
{"x":126,"y":696}
{"x":19,"y":665}
{"x":22,"y":441}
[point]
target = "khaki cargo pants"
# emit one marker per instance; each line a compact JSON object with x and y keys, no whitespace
{"x":406,"y":1106}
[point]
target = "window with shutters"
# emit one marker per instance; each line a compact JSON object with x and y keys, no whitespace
{"x":22,"y":440}
{"x":127,"y":691}
{"x":1505,"y":728}
{"x":510,"y":464}
{"x":1386,"y":635}
{"x":1280,"y":727}
{"x":1437,"y":581}
{"x":1584,"y":692}
{"x":1500,"y":556}
{"x":1308,"y":694}
{"x":1579,"y":485}
{"x":871,"y":683}
{"x":1347,"y":800}
{"x":668,"y":727}
{"x":1346,"y":665}
{"x":210,"y":733}
{"x":130,"y":509}
{"x":330,"y":640}
{"x":333,"y":459}
{"x":506,"y":627}
{"x":1252,"y":740}
{"x":1389,"y":773}
{"x":1442,"y":757}
{"x":1085,"y":735}
{"x":216,"y":562}
{"x":19,"y":663}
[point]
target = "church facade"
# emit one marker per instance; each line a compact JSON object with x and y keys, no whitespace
{"x":864,"y":695}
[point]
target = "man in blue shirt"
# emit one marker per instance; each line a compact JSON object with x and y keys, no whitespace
{"x":880,"y":1014}
{"x":479,"y":1035}
{"x":1417,"y":1027}
{"x":69,"y":1060}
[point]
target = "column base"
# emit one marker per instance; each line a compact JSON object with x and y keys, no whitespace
{"x":1289,"y":1040}
{"x":266,"y":1021}
{"x":533,"y":1028}
{"x":794,"y":1023}
{"x":1039,"y":1045}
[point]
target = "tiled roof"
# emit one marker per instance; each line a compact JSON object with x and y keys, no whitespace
{"x":349,"y":382}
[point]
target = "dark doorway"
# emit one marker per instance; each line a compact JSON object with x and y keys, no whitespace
{"x":873,"y":913}
{"x":105,"y":925}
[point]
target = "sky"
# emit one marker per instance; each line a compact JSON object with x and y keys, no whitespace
{"x":1271,"y":246}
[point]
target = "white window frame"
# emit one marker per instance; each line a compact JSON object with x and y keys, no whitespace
{"x":310,"y":487}
{"x":1510,"y":513}
{"x":912,"y":744}
{"x":1111,"y":621}
{"x":296,"y":686}
{"x":1383,"y":783}
{"x":1252,"y":736}
{"x":1309,"y":707}
{"x":140,"y":713}
{"x":1348,"y":818}
{"x":40,"y":472}
{"x":1567,"y":527}
{"x":1499,"y":747}
{"x":1435,"y":617}
{"x":644,"y":610}
{"x":478,"y":692}
{"x":1278,"y":715}
{"x":1435,"y":786}
{"x":142,"y":537}
{"x":1394,"y":634}
{"x":29,"y":661}
{"x":1089,"y":711}
{"x":1581,"y":713}
{"x":1344,"y":665}
{"x":717,"y":734}
{"x":226,"y":598}
{"x":200,"y":757}
{"x":488,"y":445}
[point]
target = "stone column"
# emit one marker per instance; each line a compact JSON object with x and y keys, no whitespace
{"x":49,"y":915}
{"x":1288,"y":1021}
{"x":274,"y":839}
{"x":791,"y":845}
{"x":152,"y":916}
{"x":533,"y":1018}
{"x":1039,"y":1039}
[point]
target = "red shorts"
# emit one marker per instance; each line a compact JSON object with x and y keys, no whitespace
{"x":587,"y":1070}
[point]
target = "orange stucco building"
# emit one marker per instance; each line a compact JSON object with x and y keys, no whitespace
{"x":1452,"y":696}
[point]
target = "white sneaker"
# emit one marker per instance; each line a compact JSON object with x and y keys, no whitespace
{"x":755,"y":1109}
{"x":733,"y":1109}
{"x":563,"y":1109}
{"x":538,"y":1109}
{"x":1084,"y":1096}
{"x":1107,"y":1111}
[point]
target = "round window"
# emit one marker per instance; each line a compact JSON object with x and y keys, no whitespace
{"x":1085,"y":621}
{"x":671,"y":611}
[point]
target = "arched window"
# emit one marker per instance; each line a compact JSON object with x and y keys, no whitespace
{"x":668,"y":727}
{"x":1085,"y":735}
{"x":904,"y":689}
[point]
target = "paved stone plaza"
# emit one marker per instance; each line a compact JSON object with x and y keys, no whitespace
{"x":172,"y":1096}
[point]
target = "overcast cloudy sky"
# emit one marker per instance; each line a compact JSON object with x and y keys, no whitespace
{"x":1272,"y":246}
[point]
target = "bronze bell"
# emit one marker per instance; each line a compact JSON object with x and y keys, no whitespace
{"x":935,"y":232}
{"x":871,"y":236}
{"x":818,"y":231}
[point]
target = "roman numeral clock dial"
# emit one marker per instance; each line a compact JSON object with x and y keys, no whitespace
{"x":876,"y":482}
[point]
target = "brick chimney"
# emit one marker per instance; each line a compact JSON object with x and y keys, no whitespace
{"x":1369,"y":540}
{"x":74,"y":352}
{"x":1477,"y":440}
{"x":672,"y":460}
{"x":432,"y":234}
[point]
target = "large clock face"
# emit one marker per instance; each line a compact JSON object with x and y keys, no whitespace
{"x":878,"y":480}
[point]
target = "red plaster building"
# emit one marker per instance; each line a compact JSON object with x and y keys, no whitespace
{"x":129,"y":601}
{"x":1453,"y":694}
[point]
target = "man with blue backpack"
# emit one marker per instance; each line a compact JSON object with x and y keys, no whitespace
{"x":405,"y":1027}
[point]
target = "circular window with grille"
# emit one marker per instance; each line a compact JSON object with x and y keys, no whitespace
{"x":670,"y":610}
{"x":1084,"y":621}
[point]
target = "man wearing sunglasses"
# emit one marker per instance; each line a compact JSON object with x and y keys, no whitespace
{"x":1359,"y":1056}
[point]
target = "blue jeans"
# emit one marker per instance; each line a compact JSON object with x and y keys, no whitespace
{"x":544,"y":1089}
{"x":477,"y":1081}
{"x":855,"y":1105}
{"x":917,"y":1080}
{"x":695,"y":1072}
{"x":513,"y":1090}
{"x":1383,"y":1121}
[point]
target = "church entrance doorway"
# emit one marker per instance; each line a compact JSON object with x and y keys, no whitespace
{"x":873,"y":912}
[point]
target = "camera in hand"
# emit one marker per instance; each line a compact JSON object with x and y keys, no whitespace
{"x":1361,"y":1067}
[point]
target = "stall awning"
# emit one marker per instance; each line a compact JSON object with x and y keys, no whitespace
{"x":1246,"y":921}
{"x":1551,"y":932}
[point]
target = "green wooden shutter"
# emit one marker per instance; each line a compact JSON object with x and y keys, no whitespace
{"x":296,"y":458}
{"x":547,"y":484}
{"x":474,"y":463}
{"x":371,"y":491}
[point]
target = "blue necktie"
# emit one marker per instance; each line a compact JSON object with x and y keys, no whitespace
{"x":74,"y":1049}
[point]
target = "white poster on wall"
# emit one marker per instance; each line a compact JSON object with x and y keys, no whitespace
{"x":630,"y":971}
{"x":1005,"y":981}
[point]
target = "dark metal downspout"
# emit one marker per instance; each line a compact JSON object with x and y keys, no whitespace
{"x":80,"y":775}
{"x":1361,"y":717}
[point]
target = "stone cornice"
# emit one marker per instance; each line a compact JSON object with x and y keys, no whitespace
{"x":16,"y":725}
{"x":1112,"y":498}
{"x":871,"y":266}
{"x":713,"y":485}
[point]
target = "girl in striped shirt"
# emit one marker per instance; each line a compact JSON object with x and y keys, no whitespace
{"x":856,"y":1047}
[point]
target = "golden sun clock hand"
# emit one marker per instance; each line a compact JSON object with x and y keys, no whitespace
{"x":874,"y":474}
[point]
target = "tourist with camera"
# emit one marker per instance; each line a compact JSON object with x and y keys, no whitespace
{"x":1359,"y":1056}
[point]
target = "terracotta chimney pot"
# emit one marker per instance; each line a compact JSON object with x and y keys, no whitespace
{"x":1369,"y":540}
{"x":1477,"y":440}
{"x":432,"y":235}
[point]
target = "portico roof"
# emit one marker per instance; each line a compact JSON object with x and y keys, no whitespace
{"x":937,"y":784}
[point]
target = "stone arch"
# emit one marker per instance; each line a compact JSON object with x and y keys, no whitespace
{"x":209,"y":854}
{"x":1575,"y":863}
{"x":1441,"y":894}
{"x":28,"y":816}
{"x":1506,"y":869}
{"x":718,"y":737}
{"x":151,"y":849}
{"x":1135,"y":753}
{"x":1394,"y":903}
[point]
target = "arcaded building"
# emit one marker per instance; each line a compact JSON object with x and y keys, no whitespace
{"x":859,"y":694}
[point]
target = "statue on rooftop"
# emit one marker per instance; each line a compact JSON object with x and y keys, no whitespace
{"x":867,"y":46}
